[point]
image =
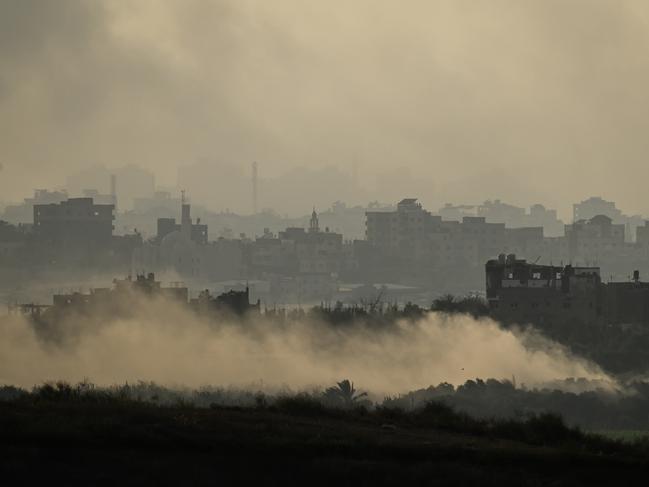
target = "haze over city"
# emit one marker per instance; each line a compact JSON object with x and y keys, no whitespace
{"x":447,"y":101}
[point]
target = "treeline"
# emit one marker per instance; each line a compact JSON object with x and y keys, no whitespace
{"x":591,"y":405}
{"x":379,"y":313}
{"x":341,"y":401}
{"x":592,"y":409}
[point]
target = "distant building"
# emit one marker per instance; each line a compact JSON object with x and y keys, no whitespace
{"x":301,"y":264}
{"x":161,"y":202}
{"x":642,"y":235}
{"x":523,"y":293}
{"x":540,"y":216}
{"x":594,"y":206}
{"x":184,"y":249}
{"x":512,"y":216}
{"x":232,"y":301}
{"x":412,"y":234}
{"x":456,"y":212}
{"x":99,"y":198}
{"x":129,"y":182}
{"x":74,"y":221}
{"x":166,"y":226}
{"x":520,"y":292}
{"x":400,"y":232}
{"x":497,"y":211}
{"x":24,"y":212}
{"x":591,"y":241}
{"x":12,"y":241}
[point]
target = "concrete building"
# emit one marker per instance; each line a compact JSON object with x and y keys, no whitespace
{"x":593,"y":206}
{"x":642,"y":235}
{"x":497,"y":211}
{"x":183,"y":250}
{"x":24,"y":212}
{"x":523,"y":293}
{"x":74,"y":221}
{"x":160,"y":202}
{"x":540,"y":216}
{"x":301,"y":264}
{"x":520,"y":292}
{"x":512,"y":216}
{"x":412,"y":234}
{"x":194,"y":231}
{"x":595,"y":240}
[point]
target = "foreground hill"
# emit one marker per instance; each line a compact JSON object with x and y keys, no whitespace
{"x":295,"y":440}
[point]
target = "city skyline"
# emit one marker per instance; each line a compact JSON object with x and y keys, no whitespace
{"x":450,"y":100}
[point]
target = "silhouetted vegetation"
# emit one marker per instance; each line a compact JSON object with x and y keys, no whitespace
{"x":375,"y":314}
{"x":142,"y":434}
{"x":471,"y":305}
{"x":586,"y":406}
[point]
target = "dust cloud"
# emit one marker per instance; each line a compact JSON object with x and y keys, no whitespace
{"x":172,"y":346}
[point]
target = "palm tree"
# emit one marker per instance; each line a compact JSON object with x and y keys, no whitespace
{"x":345,"y":393}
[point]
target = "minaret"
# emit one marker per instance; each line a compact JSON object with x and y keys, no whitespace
{"x":186,"y":219}
{"x":113,"y":190}
{"x":314,"y":226}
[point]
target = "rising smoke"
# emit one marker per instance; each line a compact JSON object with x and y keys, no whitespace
{"x":168,"y":344}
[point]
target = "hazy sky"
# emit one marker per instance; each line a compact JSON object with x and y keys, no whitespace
{"x":543,"y":100}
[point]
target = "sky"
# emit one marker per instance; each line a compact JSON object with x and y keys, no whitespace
{"x":445,"y":100}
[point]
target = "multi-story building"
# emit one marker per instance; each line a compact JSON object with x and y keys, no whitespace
{"x":520,"y":292}
{"x":198,"y":231}
{"x":642,"y":235}
{"x":593,"y":206}
{"x":497,"y":211}
{"x":540,"y":216}
{"x":184,"y":250}
{"x":300,"y":264}
{"x":512,"y":216}
{"x":595,"y":240}
{"x":399,"y":232}
{"x":24,"y":212}
{"x":412,"y":234}
{"x":74,"y":221}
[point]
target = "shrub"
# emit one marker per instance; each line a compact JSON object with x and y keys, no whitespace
{"x":301,"y":404}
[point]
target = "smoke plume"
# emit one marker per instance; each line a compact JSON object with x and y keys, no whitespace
{"x":168,"y":344}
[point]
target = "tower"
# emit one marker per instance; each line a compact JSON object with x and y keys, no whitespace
{"x":314,"y":226}
{"x":113,"y":189}
{"x":186,"y":219}
{"x":254,"y":188}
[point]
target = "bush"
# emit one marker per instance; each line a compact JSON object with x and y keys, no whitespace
{"x":301,"y":404}
{"x":440,"y":415}
{"x":11,"y":393}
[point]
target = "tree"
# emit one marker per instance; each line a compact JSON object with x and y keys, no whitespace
{"x":344,"y":394}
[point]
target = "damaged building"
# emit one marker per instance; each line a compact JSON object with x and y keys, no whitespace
{"x":547,"y":295}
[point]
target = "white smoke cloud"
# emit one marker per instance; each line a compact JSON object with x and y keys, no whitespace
{"x":170,"y":345}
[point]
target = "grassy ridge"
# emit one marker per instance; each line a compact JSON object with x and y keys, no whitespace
{"x":67,"y":434}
